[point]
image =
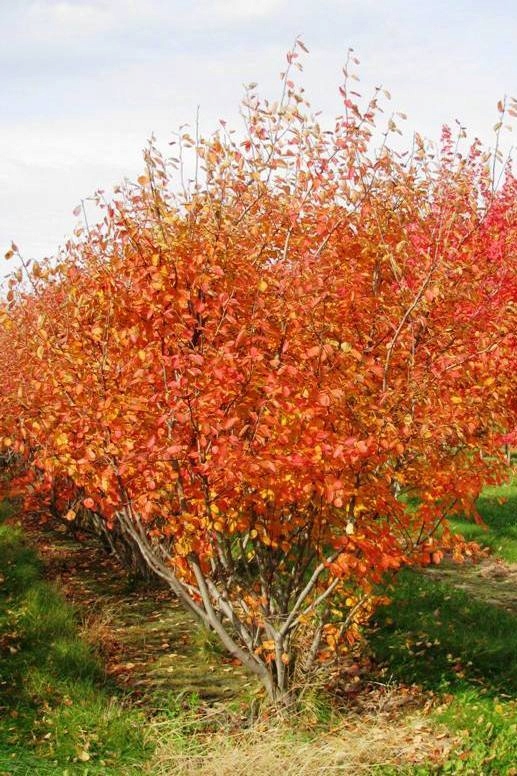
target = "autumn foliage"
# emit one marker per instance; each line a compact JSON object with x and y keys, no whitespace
{"x":249,"y":374}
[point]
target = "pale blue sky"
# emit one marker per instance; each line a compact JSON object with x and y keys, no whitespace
{"x":83,"y":83}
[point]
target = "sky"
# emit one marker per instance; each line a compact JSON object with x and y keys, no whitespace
{"x":84,"y":83}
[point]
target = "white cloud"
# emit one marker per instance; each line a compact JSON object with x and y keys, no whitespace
{"x":57,"y":20}
{"x":61,"y":19}
{"x":238,"y":10}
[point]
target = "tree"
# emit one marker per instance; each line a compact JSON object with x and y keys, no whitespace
{"x":249,"y":377}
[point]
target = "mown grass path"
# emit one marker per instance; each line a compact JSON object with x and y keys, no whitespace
{"x":491,"y":581}
{"x":150,"y":645}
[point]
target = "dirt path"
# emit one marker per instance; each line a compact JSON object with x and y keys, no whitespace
{"x":491,"y":581}
{"x":148,"y":642}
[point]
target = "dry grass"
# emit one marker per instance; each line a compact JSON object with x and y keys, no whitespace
{"x":359,"y":744}
{"x":96,"y":629}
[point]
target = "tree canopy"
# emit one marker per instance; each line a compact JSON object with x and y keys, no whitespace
{"x":251,"y":375}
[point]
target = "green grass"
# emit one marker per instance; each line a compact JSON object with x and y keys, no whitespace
{"x":57,"y":714}
{"x":458,"y":645}
{"x":445,"y":639}
{"x":61,"y":716}
{"x":488,"y":731}
{"x":490,"y":743}
{"x":498,"y":508}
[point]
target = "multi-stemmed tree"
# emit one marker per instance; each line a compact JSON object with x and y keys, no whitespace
{"x":246,"y":378}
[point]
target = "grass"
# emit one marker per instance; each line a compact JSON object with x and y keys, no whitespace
{"x":58,"y":715}
{"x":461,"y":646}
{"x":358,"y":747}
{"x":61,"y":716}
{"x":442,"y":638}
{"x":498,"y":507}
{"x":489,"y":726}
{"x":461,"y":649}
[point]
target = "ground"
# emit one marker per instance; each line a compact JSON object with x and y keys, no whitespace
{"x":97,"y":678}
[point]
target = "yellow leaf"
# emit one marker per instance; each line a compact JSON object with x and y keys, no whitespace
{"x":456,"y":399}
{"x":262,"y":285}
